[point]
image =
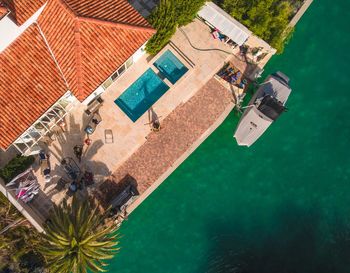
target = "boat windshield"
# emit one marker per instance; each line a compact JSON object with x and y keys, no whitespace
{"x":271,"y":107}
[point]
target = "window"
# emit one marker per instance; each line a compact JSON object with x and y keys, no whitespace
{"x":115,"y":76}
{"x":129,"y":62}
{"x":118,"y":73}
{"x":107,"y":83}
{"x":121,"y":70}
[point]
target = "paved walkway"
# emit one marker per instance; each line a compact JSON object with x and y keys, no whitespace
{"x":300,"y":13}
{"x":182,"y":128}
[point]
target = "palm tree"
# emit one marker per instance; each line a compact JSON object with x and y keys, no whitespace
{"x":17,"y":239}
{"x":77,"y":240}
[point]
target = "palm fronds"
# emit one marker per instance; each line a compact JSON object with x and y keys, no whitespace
{"x":77,"y":240}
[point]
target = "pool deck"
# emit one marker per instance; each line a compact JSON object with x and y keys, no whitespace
{"x":183,"y":131}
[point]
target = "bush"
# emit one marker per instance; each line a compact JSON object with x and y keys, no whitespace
{"x":268,"y":19}
{"x":18,"y":245}
{"x":163,"y":20}
{"x":15,"y":167}
{"x":166,"y":17}
{"x":186,"y":10}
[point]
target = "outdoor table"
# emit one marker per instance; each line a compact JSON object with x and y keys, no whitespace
{"x":91,"y":127}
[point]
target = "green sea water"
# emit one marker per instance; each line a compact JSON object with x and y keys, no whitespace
{"x":281,"y":206}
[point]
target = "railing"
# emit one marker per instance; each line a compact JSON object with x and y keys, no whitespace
{"x":26,"y":144}
{"x":23,"y":208}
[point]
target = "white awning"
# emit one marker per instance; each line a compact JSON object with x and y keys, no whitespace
{"x":226,"y":24}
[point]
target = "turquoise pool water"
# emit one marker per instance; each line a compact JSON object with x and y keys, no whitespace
{"x":281,"y":206}
{"x":141,"y":95}
{"x":170,"y":66}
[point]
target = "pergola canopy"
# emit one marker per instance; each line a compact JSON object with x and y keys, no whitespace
{"x":226,"y":24}
{"x":27,"y":143}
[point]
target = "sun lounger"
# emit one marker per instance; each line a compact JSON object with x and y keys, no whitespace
{"x":94,"y":106}
{"x":235,"y":77}
{"x":94,"y":121}
{"x":109,"y":136}
{"x":122,"y":198}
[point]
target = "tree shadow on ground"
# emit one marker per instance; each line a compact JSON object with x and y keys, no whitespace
{"x":111,"y":188}
{"x":63,"y":147}
{"x":292,"y":245}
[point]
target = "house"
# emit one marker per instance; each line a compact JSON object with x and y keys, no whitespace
{"x":54,"y":52}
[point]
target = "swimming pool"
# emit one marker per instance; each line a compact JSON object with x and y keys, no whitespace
{"x":141,"y":95}
{"x":170,"y":66}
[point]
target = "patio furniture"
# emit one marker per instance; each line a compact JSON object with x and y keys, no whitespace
{"x":88,"y":141}
{"x":60,"y":185}
{"x":94,"y":121}
{"x":71,"y":191}
{"x":123,"y":198}
{"x":71,"y":168}
{"x":25,"y":185}
{"x":78,"y":151}
{"x":243,"y":83}
{"x":226,"y":71}
{"x":45,"y":166}
{"x":94,"y":106}
{"x":87,"y":179}
{"x":73,"y":187}
{"x":109,"y":136}
{"x":48,"y":138}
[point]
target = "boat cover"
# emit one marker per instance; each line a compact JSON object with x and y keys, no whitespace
{"x":271,"y":107}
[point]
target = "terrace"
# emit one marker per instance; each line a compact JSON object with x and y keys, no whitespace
{"x":187,"y":113}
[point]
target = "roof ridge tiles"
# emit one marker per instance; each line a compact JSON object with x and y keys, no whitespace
{"x":78,"y":50}
{"x":68,"y":8}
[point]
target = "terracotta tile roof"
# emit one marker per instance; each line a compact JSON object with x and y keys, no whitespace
{"x":22,"y":10}
{"x":117,"y":11}
{"x":89,"y":50}
{"x":101,"y":57}
{"x":29,"y":84}
{"x":3,"y":11}
{"x":89,"y":40}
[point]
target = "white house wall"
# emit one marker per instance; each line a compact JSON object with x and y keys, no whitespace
{"x":10,"y":31}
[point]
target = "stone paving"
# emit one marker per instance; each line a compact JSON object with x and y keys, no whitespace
{"x":179,"y":131}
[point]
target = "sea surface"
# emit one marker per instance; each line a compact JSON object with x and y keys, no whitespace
{"x":281,"y":206}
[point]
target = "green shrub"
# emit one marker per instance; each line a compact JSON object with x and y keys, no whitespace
{"x":186,"y":10}
{"x":163,"y":20}
{"x":268,"y":19}
{"x":166,"y":17}
{"x":15,"y":167}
